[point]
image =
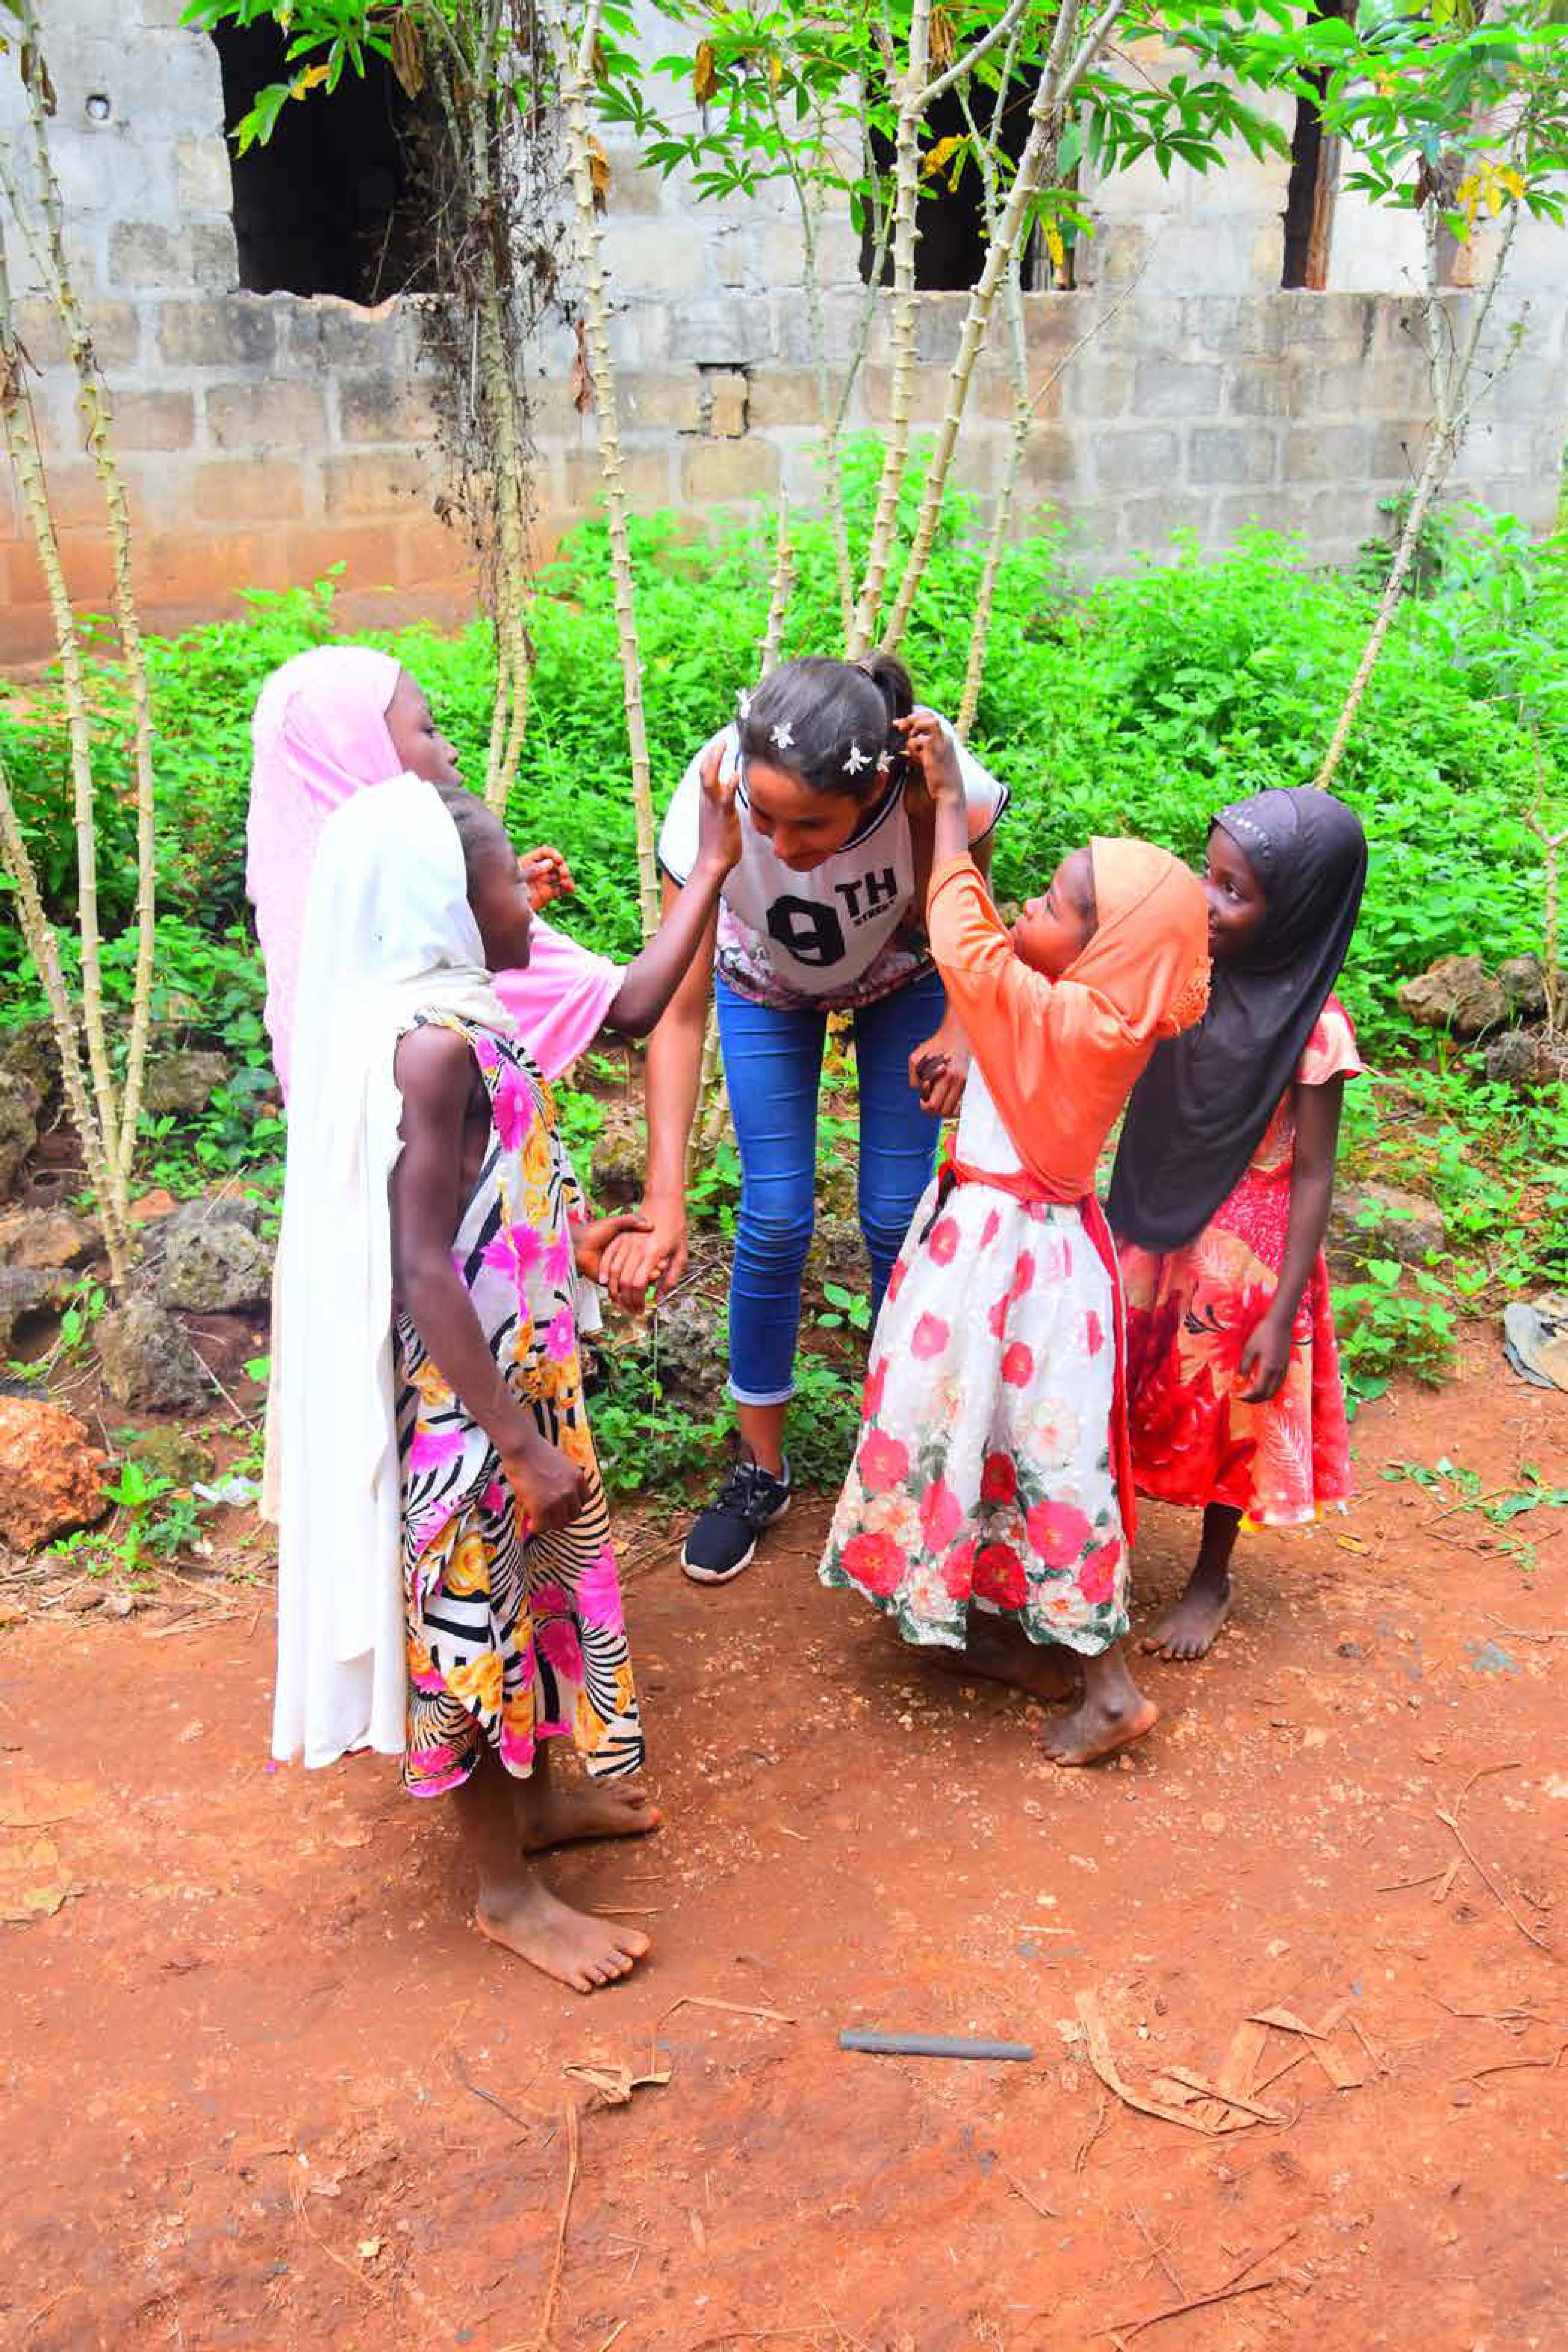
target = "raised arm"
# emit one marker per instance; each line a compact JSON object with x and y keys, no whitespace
{"x":652,"y":978}
{"x":436,"y":1072}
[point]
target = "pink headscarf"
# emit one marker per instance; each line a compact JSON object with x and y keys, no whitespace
{"x":319,"y":736}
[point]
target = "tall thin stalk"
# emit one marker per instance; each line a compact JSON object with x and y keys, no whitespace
{"x":44,"y":948}
{"x":1064,"y":70}
{"x":577,"y":73}
{"x":1453,"y":404}
{"x":92,"y":399}
{"x":912,"y":93}
{"x":22,"y":443}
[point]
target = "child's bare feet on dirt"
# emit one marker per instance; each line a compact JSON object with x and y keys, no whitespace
{"x":564,"y":1810}
{"x":1186,"y":1630}
{"x":1096,"y":1729}
{"x":992,"y":1653}
{"x":571,"y":1946}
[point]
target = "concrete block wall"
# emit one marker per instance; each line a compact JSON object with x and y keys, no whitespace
{"x":267,"y":437}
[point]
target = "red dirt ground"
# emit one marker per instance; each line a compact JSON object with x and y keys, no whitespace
{"x":243,"y":2090}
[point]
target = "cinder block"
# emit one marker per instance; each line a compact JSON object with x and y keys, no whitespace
{"x":928,"y":393}
{"x":270,"y":415}
{"x":246,"y":490}
{"x":154,"y":420}
{"x":1147,"y":524}
{"x":214,"y":257}
{"x":376,"y":485}
{"x":1132,"y":456}
{"x":145,"y":258}
{"x":728,"y":395}
{"x":1166,"y":388}
{"x":326,"y":332}
{"x":1052,"y":457}
{"x":659,"y":256}
{"x":1096,"y":388}
{"x":368,"y":551}
{"x":718,"y":472}
{"x":1226,"y":453}
{"x":645,"y":475}
{"x":202,"y":183}
{"x":381,"y":407}
{"x":1326,"y":453}
{"x":719,"y":330}
{"x":784,"y":395}
{"x":225,"y":330}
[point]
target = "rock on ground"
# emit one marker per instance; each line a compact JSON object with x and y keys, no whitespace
{"x":28,"y":1052}
{"x":146,"y":1359}
{"x":19,"y":1127}
{"x":1380,"y":1221}
{"x":29,"y":1290}
{"x":1458,"y":993}
{"x":46,"y":1239}
{"x":1528,"y":1057}
{"x":51,"y":1475}
{"x":213,"y":1269}
{"x":183,"y":1083}
{"x":1523,"y":982}
{"x":173,"y":1453}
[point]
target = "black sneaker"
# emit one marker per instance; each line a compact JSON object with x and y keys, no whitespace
{"x":725,"y":1535}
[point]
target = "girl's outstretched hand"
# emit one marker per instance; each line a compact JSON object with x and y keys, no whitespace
{"x":547,"y":875}
{"x":589,"y":1242}
{"x":932,"y":755}
{"x":718,"y":819}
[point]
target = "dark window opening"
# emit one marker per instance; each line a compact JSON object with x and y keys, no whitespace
{"x":950,"y":253}
{"x":325,"y":206}
{"x":1314,"y":179}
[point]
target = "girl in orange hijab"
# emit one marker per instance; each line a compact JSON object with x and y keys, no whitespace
{"x":989,"y":1508}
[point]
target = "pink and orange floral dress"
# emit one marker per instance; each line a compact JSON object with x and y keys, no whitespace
{"x":512,"y":1637}
{"x":1189,"y":1313}
{"x":984,"y":1476}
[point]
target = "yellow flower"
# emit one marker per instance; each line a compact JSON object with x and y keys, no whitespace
{"x":469,"y":1569}
{"x":420,"y":1662}
{"x":481,"y":1680}
{"x":517,"y":1713}
{"x":433,"y":1385}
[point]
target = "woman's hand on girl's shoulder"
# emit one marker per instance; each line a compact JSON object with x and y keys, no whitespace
{"x":717,"y":818}
{"x":932,"y":755}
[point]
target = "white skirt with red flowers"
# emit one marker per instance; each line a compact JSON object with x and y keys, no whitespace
{"x":984,"y":1476}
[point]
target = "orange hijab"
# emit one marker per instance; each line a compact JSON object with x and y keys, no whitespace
{"x":1061,"y":1056}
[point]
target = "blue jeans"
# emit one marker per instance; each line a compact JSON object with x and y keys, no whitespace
{"x":772,"y":1070}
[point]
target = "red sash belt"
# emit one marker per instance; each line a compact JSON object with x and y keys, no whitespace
{"x":1023,"y":1187}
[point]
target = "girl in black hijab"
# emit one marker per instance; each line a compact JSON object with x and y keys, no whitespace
{"x":1219,"y":1202}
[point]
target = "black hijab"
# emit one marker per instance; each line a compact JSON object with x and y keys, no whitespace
{"x":1200,"y":1109}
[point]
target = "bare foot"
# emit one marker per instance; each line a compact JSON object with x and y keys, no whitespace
{"x":994,"y":1656}
{"x":564,"y":1811}
{"x":1097,"y":1727}
{"x":1187,"y":1629}
{"x":571,"y":1946}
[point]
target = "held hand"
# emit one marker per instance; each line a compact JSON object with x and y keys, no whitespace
{"x":550,"y":1488}
{"x":1266,"y":1358}
{"x":718,"y":819}
{"x":638,"y":1260}
{"x":547,"y":875}
{"x":938,"y":1070}
{"x":932,"y":755}
{"x":589,"y":1240}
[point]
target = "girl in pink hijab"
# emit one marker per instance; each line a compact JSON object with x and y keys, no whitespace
{"x":340,"y":718}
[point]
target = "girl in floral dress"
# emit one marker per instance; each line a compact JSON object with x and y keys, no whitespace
{"x":447,"y":1586}
{"x":989,"y":1506}
{"x":1220,"y":1199}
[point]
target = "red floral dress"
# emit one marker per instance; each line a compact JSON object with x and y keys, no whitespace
{"x":1189,"y":1313}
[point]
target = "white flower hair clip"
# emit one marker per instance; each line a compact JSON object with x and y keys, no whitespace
{"x":743,"y":702}
{"x":884,"y":764}
{"x":855,"y":759}
{"x":783,"y":736}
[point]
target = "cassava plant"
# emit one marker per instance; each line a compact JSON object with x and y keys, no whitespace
{"x":484,"y":147}
{"x":105,"y":1113}
{"x":1460,"y":114}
